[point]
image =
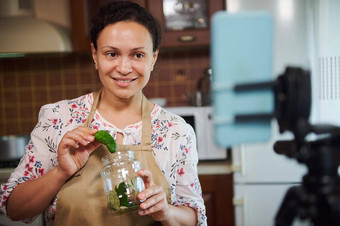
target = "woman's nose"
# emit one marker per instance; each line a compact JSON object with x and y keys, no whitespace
{"x":124,"y":66}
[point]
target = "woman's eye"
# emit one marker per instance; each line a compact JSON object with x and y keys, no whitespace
{"x":112,"y":54}
{"x":139,"y":55}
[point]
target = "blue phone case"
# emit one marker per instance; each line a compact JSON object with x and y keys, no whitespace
{"x":242,"y":52}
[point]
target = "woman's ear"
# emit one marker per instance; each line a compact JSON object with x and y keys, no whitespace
{"x":155,"y":56}
{"x":94,"y":56}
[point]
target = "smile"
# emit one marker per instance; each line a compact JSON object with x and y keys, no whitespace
{"x":125,"y":80}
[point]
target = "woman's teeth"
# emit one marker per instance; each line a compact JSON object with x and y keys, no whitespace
{"x":125,"y":80}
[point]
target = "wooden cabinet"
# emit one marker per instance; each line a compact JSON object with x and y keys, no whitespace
{"x":83,"y":10}
{"x":185,"y":37}
{"x":79,"y":24}
{"x":81,"y":13}
{"x":218,"y":194}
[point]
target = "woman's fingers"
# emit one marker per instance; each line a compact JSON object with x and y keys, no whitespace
{"x":153,"y":196}
{"x":75,"y":149}
{"x":149,"y":192}
{"x":155,"y":204}
{"x":68,"y":142}
{"x":92,"y":146}
{"x":146,"y":176}
{"x":81,"y":135}
{"x":160,"y":206}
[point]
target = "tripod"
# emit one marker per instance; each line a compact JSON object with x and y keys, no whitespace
{"x":318,"y":197}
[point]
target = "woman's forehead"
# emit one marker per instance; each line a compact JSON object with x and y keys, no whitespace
{"x":124,"y":32}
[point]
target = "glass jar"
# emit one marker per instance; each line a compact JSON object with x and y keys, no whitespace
{"x":121,"y":181}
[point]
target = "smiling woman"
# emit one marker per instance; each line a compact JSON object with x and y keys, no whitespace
{"x":59,"y":172}
{"x":124,"y":61}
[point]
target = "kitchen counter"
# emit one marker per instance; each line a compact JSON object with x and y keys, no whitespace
{"x":4,"y":174}
{"x":204,"y":168}
{"x":214,"y":167}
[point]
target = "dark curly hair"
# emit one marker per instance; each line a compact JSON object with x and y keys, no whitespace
{"x":117,"y":11}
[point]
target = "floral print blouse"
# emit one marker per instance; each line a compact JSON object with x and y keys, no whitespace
{"x":173,"y":142}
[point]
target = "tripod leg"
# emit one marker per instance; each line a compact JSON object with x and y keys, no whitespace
{"x":288,"y":208}
{"x":334,"y":205}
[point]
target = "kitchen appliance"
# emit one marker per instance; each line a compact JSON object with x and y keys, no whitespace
{"x":203,"y":97}
{"x":12,"y":147}
{"x":21,"y":32}
{"x":303,"y":33}
{"x":200,"y":118}
{"x":4,"y":221}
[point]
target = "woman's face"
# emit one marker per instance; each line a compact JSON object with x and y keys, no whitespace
{"x":124,"y":58}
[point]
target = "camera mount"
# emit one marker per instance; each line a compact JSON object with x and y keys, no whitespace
{"x":318,"y":197}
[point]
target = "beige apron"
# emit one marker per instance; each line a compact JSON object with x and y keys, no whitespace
{"x":82,"y":200}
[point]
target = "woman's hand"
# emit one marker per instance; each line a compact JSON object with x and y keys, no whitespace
{"x":155,"y":203}
{"x":75,"y":148}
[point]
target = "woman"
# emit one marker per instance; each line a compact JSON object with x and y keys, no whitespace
{"x":58,"y":174}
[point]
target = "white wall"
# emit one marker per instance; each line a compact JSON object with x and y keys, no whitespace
{"x":325,"y":20}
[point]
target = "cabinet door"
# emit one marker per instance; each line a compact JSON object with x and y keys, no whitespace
{"x":184,"y":36}
{"x":82,"y":12}
{"x":217,"y":191}
{"x":80,"y":29}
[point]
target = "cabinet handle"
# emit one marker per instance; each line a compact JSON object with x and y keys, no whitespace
{"x":236,"y":168}
{"x":238,"y":202}
{"x":241,"y":203}
{"x":240,"y":167}
{"x":186,"y":38}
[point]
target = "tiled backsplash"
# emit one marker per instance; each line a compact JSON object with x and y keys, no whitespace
{"x":28,"y":83}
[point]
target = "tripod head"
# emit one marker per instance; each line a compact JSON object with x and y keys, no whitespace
{"x":292,"y":109}
{"x":318,"y":198}
{"x":293,"y":102}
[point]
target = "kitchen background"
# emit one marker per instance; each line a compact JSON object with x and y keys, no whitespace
{"x":234,"y":189}
{"x":29,"y":82}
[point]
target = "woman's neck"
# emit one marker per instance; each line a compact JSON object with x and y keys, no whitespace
{"x":120,"y":112}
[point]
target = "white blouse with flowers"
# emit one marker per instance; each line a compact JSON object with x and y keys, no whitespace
{"x":173,"y":143}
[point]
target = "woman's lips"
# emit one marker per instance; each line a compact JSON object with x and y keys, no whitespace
{"x":124,"y":82}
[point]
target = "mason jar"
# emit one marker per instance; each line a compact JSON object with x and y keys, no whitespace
{"x":121,"y":182}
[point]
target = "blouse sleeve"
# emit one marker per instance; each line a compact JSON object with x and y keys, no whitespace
{"x":188,"y":187}
{"x":40,"y":153}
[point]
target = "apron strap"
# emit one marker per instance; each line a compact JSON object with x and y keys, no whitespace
{"x":146,"y":125}
{"x":96,"y":96}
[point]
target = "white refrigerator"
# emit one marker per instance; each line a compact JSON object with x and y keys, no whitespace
{"x":306,"y":35}
{"x":261,"y":179}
